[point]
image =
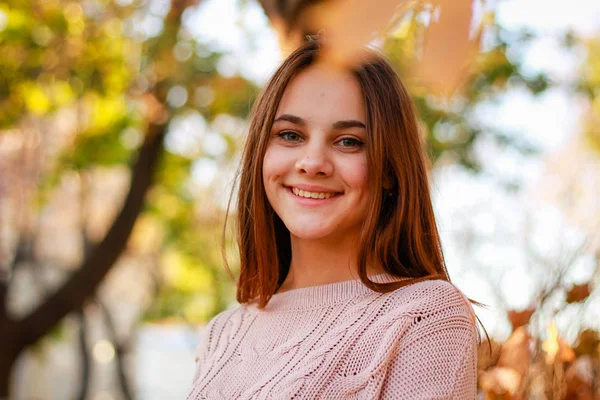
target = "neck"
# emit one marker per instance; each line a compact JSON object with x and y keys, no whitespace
{"x":323,"y":261}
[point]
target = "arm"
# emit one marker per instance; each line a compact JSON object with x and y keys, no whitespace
{"x":436,"y":359}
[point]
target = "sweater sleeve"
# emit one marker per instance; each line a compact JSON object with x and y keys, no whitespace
{"x":437,"y":357}
{"x":208,"y":340}
{"x":202,"y":349}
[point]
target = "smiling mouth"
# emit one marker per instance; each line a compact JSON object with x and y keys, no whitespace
{"x":313,"y":195}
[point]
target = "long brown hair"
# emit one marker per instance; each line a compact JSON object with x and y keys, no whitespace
{"x":399,"y":232}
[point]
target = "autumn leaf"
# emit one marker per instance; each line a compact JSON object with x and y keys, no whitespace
{"x":500,"y":381}
{"x":486,"y":358}
{"x":578,"y":293}
{"x":580,"y":379}
{"x":448,"y":50}
{"x":515,"y":351}
{"x":556,"y":348}
{"x":520,"y":318}
{"x":587,"y":343}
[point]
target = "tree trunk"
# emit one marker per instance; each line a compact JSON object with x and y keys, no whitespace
{"x":5,"y":367}
{"x":11,"y":348}
{"x":16,"y":335}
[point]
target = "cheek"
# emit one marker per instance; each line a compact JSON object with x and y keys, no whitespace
{"x":273,"y":165}
{"x":267,"y":167}
{"x":358,"y":175}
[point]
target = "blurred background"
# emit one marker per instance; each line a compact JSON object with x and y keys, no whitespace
{"x":121,"y":123}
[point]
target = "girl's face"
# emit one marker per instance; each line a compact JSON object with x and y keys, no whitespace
{"x":315,"y":165}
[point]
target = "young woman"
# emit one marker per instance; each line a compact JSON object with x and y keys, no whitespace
{"x":343,"y":290}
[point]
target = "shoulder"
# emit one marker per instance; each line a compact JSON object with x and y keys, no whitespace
{"x":225,"y":320}
{"x":215,"y":328}
{"x":430,"y":296}
{"x":434,"y":302}
{"x":221,"y":318}
{"x":435,"y":343}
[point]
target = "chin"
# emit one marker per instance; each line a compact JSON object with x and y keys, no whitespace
{"x":308,"y":233}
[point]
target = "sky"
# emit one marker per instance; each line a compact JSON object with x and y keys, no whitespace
{"x":467,"y":206}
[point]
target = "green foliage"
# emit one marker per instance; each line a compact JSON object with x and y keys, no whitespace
{"x":589,"y":85}
{"x":449,"y":128}
{"x":81,"y":71}
{"x":53,"y":53}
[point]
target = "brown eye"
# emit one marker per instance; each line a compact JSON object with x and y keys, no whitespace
{"x":350,"y":142}
{"x":290,"y":136}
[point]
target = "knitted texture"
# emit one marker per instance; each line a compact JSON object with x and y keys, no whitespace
{"x":342,"y":341}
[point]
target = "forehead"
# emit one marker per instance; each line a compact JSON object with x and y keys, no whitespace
{"x":319,"y":94}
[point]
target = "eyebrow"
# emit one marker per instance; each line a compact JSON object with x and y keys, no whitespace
{"x":351,"y":123}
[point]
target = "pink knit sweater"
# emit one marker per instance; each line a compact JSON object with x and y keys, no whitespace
{"x":342,"y":341}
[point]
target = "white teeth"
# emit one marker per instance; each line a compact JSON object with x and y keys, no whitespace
{"x":311,"y":195}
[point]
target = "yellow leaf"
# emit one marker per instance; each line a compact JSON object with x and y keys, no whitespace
{"x":35,"y":99}
{"x":550,"y":345}
{"x":185,"y":274}
{"x":105,"y":112}
{"x":62,"y":94}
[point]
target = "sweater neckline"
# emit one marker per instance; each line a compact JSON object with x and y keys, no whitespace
{"x":324,"y":295}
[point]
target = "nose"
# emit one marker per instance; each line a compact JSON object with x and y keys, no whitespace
{"x":314,"y":161}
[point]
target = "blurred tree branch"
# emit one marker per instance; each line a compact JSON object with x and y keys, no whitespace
{"x":84,"y":382}
{"x":82,"y":284}
{"x":84,"y":281}
{"x":122,"y":347}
